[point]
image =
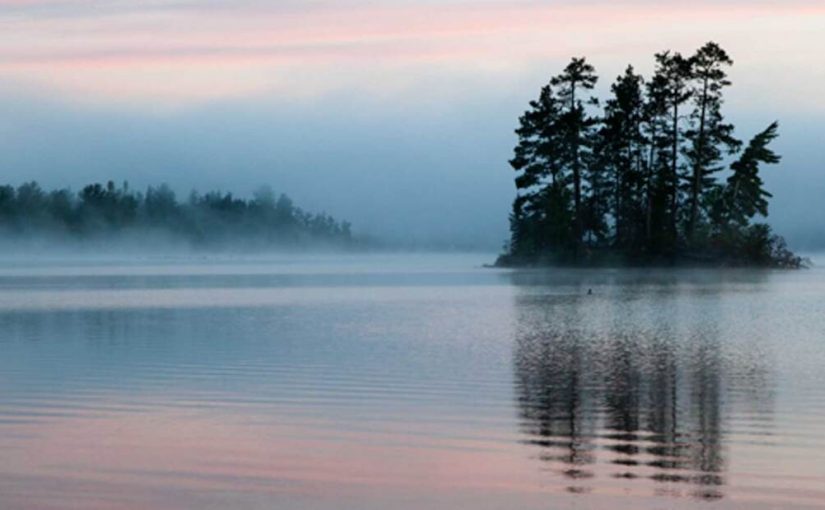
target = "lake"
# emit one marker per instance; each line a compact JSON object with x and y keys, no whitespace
{"x":407,"y":382}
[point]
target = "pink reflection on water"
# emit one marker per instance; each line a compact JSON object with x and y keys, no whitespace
{"x":176,"y":458}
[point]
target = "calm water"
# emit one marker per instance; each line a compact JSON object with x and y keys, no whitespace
{"x":409,"y":383}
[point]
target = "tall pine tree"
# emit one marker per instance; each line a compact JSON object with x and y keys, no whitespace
{"x":620,"y":149}
{"x":710,"y":137}
{"x":541,"y":212}
{"x":576,"y":127}
{"x":670,"y":83}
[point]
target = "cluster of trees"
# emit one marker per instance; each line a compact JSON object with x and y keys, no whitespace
{"x":654,"y":175}
{"x":213,"y":219}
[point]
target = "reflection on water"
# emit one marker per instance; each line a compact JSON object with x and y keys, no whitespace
{"x":419,"y":384}
{"x":614,"y":386}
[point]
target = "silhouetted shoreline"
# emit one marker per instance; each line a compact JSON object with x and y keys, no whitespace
{"x":786,"y":260}
{"x":109,"y":216}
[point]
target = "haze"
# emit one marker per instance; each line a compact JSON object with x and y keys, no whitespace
{"x":397,"y":116}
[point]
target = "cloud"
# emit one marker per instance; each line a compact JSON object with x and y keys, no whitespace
{"x":186,"y":52}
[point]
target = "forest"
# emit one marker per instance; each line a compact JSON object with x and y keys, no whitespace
{"x":215,"y":219}
{"x":652,"y":175}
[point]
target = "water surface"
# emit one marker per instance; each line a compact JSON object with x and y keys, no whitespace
{"x":407,"y":382}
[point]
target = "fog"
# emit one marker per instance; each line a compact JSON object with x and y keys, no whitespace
{"x":419,"y":172}
{"x":434,"y":178}
{"x":395,"y":116}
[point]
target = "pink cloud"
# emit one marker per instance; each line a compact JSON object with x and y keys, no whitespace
{"x":54,"y":49}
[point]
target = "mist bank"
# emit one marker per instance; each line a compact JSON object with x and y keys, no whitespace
{"x":425,"y":169}
{"x":116,"y":218}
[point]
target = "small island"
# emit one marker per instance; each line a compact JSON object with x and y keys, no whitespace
{"x":653,"y":176}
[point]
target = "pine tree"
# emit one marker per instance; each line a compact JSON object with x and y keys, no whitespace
{"x":620,"y":151}
{"x":670,"y":84}
{"x":745,"y":197}
{"x":540,"y":207}
{"x":710,"y":136}
{"x":576,"y":128}
{"x":656,"y":166}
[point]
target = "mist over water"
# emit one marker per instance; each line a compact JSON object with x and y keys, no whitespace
{"x":408,"y":382}
{"x":417,"y":172}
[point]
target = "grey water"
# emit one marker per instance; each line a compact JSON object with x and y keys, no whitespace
{"x":407,"y":382}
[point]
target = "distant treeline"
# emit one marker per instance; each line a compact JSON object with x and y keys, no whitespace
{"x":100,"y":212}
{"x":653,"y":175}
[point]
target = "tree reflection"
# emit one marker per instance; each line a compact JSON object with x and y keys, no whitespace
{"x":611,"y":389}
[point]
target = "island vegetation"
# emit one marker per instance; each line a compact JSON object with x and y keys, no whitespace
{"x":216,"y":219}
{"x":653,"y":175}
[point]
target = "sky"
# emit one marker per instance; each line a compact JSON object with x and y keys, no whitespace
{"x":397,"y":115}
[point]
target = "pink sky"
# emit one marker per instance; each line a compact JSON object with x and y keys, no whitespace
{"x":184,"y":53}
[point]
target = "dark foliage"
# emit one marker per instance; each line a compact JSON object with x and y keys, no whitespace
{"x":214,"y":219}
{"x":655,"y":176}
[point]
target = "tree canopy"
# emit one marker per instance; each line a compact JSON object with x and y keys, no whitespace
{"x":654,"y":174}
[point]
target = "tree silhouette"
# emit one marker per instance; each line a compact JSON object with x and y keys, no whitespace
{"x":620,"y":150}
{"x":575,"y":127}
{"x":640,"y":182}
{"x":215,"y":219}
{"x":709,"y":134}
